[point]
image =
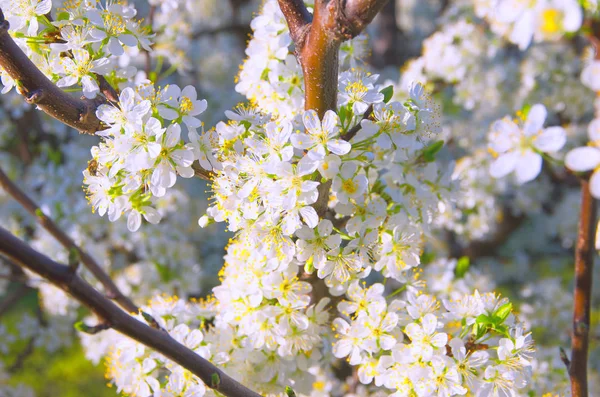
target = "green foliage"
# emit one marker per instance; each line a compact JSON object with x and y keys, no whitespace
{"x":65,"y":373}
{"x":462,"y":266}
{"x":430,"y":151}
{"x":388,"y":93}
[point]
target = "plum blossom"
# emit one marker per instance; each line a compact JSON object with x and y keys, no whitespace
{"x":518,"y":147}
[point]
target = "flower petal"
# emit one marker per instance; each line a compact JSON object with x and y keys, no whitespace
{"x":551,"y":139}
{"x":528,"y":166}
{"x":535,"y":119}
{"x":503,"y":165}
{"x":583,"y":159}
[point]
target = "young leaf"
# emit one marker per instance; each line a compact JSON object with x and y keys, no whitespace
{"x":462,"y":266}
{"x":388,"y":93}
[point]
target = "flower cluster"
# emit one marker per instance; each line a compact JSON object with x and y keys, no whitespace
{"x":357,"y":204}
{"x":279,"y":178}
{"x":538,"y":20}
{"x":137,"y":370}
{"x":143,"y":152}
{"x":474,"y":344}
{"x":85,"y":43}
{"x":450,"y":53}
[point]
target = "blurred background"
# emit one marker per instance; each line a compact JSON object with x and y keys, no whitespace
{"x":514,"y":239}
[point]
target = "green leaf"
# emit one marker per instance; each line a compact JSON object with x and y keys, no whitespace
{"x":290,"y":392}
{"x":525,"y":110}
{"x":430,"y":151}
{"x":462,"y":266}
{"x":427,"y":257}
{"x":165,"y":272}
{"x":388,"y":93}
{"x":343,"y":113}
{"x":62,"y":16}
{"x":503,"y":311}
{"x":309,"y":266}
{"x":483,"y":319}
{"x":479,"y":330}
{"x":81,"y":327}
{"x":215,"y":380}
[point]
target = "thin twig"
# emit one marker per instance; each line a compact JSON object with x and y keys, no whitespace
{"x":107,"y":90}
{"x":351,"y":133}
{"x":584,"y":261}
{"x":147,"y":54}
{"x":47,"y":223}
{"x":22,"y":356}
{"x":107,"y":311}
{"x":234,"y":27}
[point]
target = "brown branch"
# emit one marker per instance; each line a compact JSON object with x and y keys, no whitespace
{"x":63,"y":278}
{"x":297,"y":16}
{"x":201,"y":173}
{"x":318,"y":42}
{"x":385,"y":48}
{"x":106,"y":89}
{"x":584,"y":261}
{"x":360,"y":13}
{"x":39,"y":90}
{"x":47,"y":223}
{"x":238,"y":28}
{"x":22,"y":356}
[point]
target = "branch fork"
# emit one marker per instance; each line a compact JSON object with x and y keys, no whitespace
{"x":318,"y":38}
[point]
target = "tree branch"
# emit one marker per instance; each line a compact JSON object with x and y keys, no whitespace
{"x":360,"y":13}
{"x":62,"y":277}
{"x":239,"y":28}
{"x":39,"y":90}
{"x":22,"y":356}
{"x":351,"y":133}
{"x":47,"y":223}
{"x":318,"y":42}
{"x":297,"y":16}
{"x":584,"y":261}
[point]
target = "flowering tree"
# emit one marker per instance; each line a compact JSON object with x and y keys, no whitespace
{"x":355,"y":205}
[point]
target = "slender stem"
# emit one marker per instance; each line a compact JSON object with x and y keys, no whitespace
{"x":351,"y":133}
{"x":148,"y":65}
{"x":64,"y":278}
{"x":47,"y":223}
{"x":584,"y":261}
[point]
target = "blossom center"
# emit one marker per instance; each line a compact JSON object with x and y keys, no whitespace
{"x":113,"y":23}
{"x":349,"y":186}
{"x":551,"y":21}
{"x":186,"y":105}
